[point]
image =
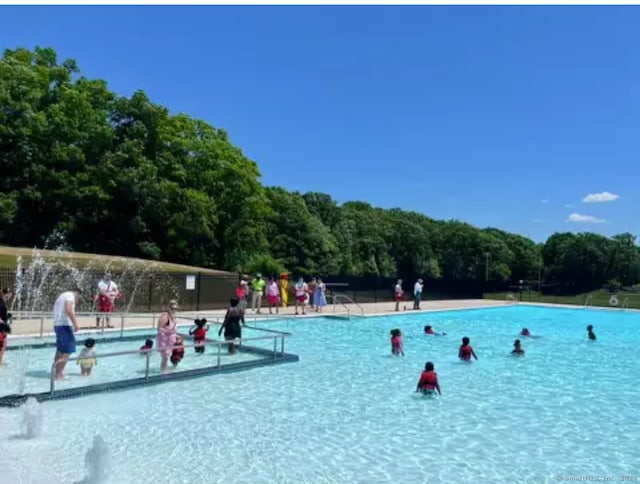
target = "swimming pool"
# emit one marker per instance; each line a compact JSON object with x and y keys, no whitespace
{"x":347,"y":412}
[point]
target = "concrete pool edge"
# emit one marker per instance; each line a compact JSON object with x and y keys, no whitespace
{"x":269,"y":359}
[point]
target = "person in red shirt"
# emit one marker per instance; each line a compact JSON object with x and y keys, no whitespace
{"x":146,"y":347}
{"x":178,"y":351}
{"x":429,"y":330}
{"x":396,"y":343}
{"x":5,"y":329}
{"x":199,"y":333}
{"x":428,"y":382}
{"x":466,"y":351}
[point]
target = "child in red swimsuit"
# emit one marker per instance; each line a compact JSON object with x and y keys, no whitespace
{"x":428,"y":382}
{"x":396,"y":343}
{"x":146,"y":347}
{"x":5,"y":329}
{"x":178,"y":351}
{"x":466,"y":351}
{"x":429,"y":330}
{"x":525,"y":332}
{"x":199,"y":334}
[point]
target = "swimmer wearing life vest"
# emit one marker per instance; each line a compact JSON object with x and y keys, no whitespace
{"x":466,"y":351}
{"x":428,"y":382}
{"x":517,"y":349}
{"x":429,"y":330}
{"x":590,"y":334}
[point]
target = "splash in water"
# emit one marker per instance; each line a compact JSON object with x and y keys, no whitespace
{"x":97,"y":462}
{"x":32,"y":418}
{"x":40,"y":279}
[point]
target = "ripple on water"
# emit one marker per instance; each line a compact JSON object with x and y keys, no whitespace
{"x":347,"y":412}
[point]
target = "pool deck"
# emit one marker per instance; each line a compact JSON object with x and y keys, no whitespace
{"x":31,"y":327}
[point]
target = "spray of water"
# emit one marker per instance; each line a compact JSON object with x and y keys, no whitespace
{"x":97,"y":462}
{"x":32,"y":418}
{"x":40,"y":279}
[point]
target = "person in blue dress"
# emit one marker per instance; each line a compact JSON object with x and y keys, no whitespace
{"x":319,"y":295}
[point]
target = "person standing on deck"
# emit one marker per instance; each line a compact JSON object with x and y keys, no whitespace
{"x":398,"y":293}
{"x":417,"y":294}
{"x":257,"y":290}
{"x":65,"y":324}
{"x":301,"y":288}
{"x":107,"y":294}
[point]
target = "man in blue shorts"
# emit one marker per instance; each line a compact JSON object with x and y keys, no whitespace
{"x":65,"y":324}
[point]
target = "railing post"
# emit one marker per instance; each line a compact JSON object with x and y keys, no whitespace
{"x":282,"y":346}
{"x":41,"y":326}
{"x":121,"y":326}
{"x":147,"y":364}
{"x":153,"y":320}
{"x":54,"y":369}
{"x":275,"y":350}
{"x":219,"y":350}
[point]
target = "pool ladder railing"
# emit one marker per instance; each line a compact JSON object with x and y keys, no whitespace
{"x":625,"y":304}
{"x":343,"y":300}
{"x":589,"y":301}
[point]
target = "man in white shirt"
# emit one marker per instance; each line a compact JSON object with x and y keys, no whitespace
{"x":107,"y":295}
{"x":417,"y":294}
{"x":65,"y":324}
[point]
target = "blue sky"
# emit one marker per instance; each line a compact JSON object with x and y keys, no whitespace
{"x":498,"y":116}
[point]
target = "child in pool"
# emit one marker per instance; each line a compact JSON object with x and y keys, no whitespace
{"x":178,"y":351}
{"x":525,"y":332}
{"x":429,"y":330}
{"x":5,"y":329}
{"x":590,"y":334}
{"x":517,"y":349}
{"x":199,"y":334}
{"x":146,"y":347}
{"x":87,"y":359}
{"x":428,"y":382}
{"x":396,"y":343}
{"x":466,"y":351}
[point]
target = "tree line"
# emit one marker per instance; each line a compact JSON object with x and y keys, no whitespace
{"x":122,"y":175}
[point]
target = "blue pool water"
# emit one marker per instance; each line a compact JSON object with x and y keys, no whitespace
{"x":29,"y":370}
{"x":347,"y":412}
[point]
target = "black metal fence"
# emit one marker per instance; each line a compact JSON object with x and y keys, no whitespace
{"x":37,"y":289}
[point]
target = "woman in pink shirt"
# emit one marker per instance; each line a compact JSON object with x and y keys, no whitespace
{"x":273,"y":295}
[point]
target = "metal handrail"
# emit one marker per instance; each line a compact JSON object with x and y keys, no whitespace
{"x":147,"y":353}
{"x":589,"y":301}
{"x":625,"y":303}
{"x":84,"y":314}
{"x":334,"y":298}
{"x":350,"y":301}
{"x":268,"y":330}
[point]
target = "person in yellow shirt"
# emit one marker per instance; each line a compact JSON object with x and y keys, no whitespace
{"x":87,"y":359}
{"x":257,"y":289}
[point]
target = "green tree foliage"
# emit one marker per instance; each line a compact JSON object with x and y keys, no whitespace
{"x":122,"y":175}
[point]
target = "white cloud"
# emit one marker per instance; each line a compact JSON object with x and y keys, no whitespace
{"x":584,"y":219}
{"x":602,"y":197}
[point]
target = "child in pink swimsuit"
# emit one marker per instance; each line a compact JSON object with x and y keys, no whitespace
{"x":396,"y":343}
